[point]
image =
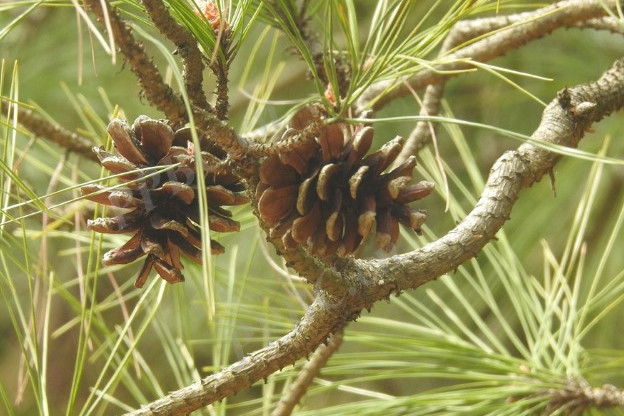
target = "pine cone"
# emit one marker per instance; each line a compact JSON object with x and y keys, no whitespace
{"x":325,"y":194}
{"x":164,"y":216}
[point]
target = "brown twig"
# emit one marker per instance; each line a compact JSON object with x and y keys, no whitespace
{"x":221,"y":70}
{"x":349,"y":286}
{"x":530,"y":26}
{"x":186,"y":47}
{"x":41,"y":127}
{"x":424,"y":130}
{"x":609,"y":24}
{"x":154,"y":87}
{"x":579,"y":396}
{"x":308,"y":373}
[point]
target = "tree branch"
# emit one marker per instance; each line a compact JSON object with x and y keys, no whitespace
{"x":564,"y":122}
{"x":186,"y":47}
{"x":324,"y":316}
{"x":349,"y":286}
{"x":529,"y":26}
{"x":53,"y":132}
{"x":579,"y":396}
{"x":307,"y":374}
{"x":156,"y":90}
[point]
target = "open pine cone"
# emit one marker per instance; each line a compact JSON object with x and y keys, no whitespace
{"x":325,"y":194}
{"x":164,"y":216}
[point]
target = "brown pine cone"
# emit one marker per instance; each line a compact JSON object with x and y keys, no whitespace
{"x":325,"y":194}
{"x":164,"y":216}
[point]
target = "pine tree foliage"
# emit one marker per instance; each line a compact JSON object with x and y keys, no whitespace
{"x":529,"y":326}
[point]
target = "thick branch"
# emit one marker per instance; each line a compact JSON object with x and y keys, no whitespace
{"x":53,"y":132}
{"x":564,"y":122}
{"x":156,"y":90}
{"x":187,"y":48}
{"x":322,"y":318}
{"x":535,"y":25}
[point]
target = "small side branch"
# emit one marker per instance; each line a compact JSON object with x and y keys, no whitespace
{"x":308,"y":373}
{"x":579,"y":396}
{"x":156,"y":90}
{"x":423,"y":132}
{"x":53,"y":132}
{"x":222,"y":91}
{"x":186,"y":47}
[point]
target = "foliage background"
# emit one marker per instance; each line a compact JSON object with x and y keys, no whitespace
{"x":390,"y":355}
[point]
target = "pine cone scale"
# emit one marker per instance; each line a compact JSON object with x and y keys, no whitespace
{"x":125,"y":143}
{"x":156,"y":138}
{"x":276,"y":203}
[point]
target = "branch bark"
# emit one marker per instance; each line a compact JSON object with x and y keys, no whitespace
{"x":324,"y":316}
{"x":186,"y":47}
{"x":41,"y":127}
{"x":349,"y":286}
{"x":154,"y":87}
{"x":579,"y":396}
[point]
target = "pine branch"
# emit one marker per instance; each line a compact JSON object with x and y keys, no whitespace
{"x":324,"y":316}
{"x":579,"y":396}
{"x":424,"y":130}
{"x":349,"y":286}
{"x":186,"y":47}
{"x":564,"y":122}
{"x":307,"y":374}
{"x":530,"y":26}
{"x":41,"y":127}
{"x":221,"y":70}
{"x":156,"y":90}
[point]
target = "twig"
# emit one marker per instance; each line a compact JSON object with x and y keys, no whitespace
{"x":460,"y":33}
{"x":349,"y":285}
{"x":186,"y":47}
{"x":41,"y":127}
{"x":579,"y":396}
{"x":423,"y":132}
{"x":307,"y":374}
{"x":534,"y":25}
{"x":609,"y":24}
{"x":221,"y":70}
{"x":156,"y":90}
